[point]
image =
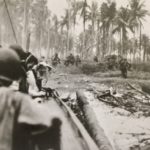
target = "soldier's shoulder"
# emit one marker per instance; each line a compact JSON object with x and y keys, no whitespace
{"x":10,"y":94}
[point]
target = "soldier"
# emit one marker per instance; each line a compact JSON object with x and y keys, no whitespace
{"x":77,"y":60}
{"x":123,"y":63}
{"x":21,"y":118}
{"x":70,"y":60}
{"x":23,"y":85}
{"x":42,"y":71}
{"x":56,"y":60}
{"x":95,"y":59}
{"x":28,"y":84}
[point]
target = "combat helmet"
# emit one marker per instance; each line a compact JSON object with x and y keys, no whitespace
{"x":10,"y":65}
{"x":19,"y":50}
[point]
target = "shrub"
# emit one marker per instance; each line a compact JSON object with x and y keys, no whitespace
{"x":92,"y":68}
{"x":145,"y":67}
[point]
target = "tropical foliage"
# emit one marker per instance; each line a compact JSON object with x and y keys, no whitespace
{"x":106,"y":28}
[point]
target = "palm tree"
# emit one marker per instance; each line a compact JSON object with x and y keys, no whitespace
{"x":8,"y":20}
{"x":138,"y":13}
{"x":145,"y":42}
{"x":75,"y":7}
{"x":39,"y":18}
{"x":93,"y":16}
{"x":26,"y":23}
{"x":104,"y":26}
{"x":65,"y":23}
{"x":108,"y":14}
{"x":84,"y":14}
{"x":93,"y":13}
{"x":98,"y":19}
{"x":122,"y":24}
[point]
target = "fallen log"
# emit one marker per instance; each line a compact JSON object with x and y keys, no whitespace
{"x":92,"y":125}
{"x":141,"y":92}
{"x":145,"y":87}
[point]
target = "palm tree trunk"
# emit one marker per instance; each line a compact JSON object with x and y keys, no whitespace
{"x":0,"y":34}
{"x":48,"y":44}
{"x":28,"y":42}
{"x":140,"y":37}
{"x":134,"y":51}
{"x":98,"y":39}
{"x":25,"y":27}
{"x":83,"y":50}
{"x":69,"y":26}
{"x":68,"y":38}
{"x":120,"y":51}
{"x":40,"y":42}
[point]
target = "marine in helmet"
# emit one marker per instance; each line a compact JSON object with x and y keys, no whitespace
{"x":77,"y":60}
{"x":20,"y":116}
{"x":28,"y":84}
{"x":124,"y":66}
{"x":69,"y":60}
{"x":10,"y":66}
{"x":55,"y":60}
{"x":95,"y":59}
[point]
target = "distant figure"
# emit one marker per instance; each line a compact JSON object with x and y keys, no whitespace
{"x":70,"y":60}
{"x":95,"y":59}
{"x":124,"y":66}
{"x":77,"y":60}
{"x":55,"y":60}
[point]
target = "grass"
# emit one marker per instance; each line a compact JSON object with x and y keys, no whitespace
{"x":145,"y":67}
{"x":138,"y":71}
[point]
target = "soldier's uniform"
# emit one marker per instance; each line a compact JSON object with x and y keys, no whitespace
{"x":95,"y":59}
{"x":55,"y":60}
{"x":124,"y":67}
{"x":28,"y":84}
{"x":70,"y":60}
{"x":21,"y":117}
{"x":77,"y":60}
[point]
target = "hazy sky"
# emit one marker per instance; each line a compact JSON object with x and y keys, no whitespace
{"x":57,"y":7}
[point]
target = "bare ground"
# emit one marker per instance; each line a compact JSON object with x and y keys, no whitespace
{"x":126,"y":130}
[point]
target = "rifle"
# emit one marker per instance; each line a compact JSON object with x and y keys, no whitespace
{"x":50,"y":92}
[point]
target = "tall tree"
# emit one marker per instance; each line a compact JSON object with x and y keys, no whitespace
{"x":93,"y":13}
{"x":40,"y":15}
{"x":84,"y":15}
{"x":138,"y":13}
{"x":65,"y":23}
{"x":75,"y":7}
{"x":92,"y":16}
{"x":122,"y":24}
{"x":108,"y":14}
{"x":25,"y":26}
{"x":145,"y":42}
{"x":7,"y":18}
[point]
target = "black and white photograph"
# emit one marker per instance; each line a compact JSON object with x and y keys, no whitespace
{"x":74,"y":74}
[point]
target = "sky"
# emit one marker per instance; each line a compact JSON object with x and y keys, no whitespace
{"x":57,"y":7}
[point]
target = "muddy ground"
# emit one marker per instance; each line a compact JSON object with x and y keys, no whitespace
{"x":126,"y":130}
